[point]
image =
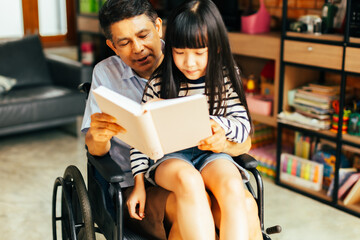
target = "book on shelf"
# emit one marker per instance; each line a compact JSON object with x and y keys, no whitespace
{"x":312,"y":109}
{"x":310,"y":114}
{"x":322,"y":89}
{"x":158,"y":127}
{"x":305,"y":145}
{"x":312,"y":103}
{"x":345,"y":187}
{"x":315,"y":96}
{"x":299,"y":120}
{"x":344,"y":174}
{"x":353,"y":196}
{"x":302,"y":146}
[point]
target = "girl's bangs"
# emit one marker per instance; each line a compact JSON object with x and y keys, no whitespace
{"x":188,"y":33}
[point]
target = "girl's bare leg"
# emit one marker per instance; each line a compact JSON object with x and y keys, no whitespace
{"x":193,"y":215}
{"x":251,"y":212}
{"x":170,"y":211}
{"x":224,"y":180}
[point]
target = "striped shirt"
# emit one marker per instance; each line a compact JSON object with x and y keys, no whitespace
{"x":235,"y":121}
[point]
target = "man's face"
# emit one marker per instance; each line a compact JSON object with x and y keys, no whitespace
{"x":137,"y":42}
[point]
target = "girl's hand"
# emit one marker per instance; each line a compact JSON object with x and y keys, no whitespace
{"x":215,"y":143}
{"x":136,"y":201}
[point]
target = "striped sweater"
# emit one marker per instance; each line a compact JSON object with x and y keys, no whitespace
{"x":235,"y":122}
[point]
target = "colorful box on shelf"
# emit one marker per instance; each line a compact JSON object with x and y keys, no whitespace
{"x":260,"y":104}
{"x":301,"y":172}
{"x":266,"y":156}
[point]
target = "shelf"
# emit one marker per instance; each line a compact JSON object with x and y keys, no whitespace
{"x":90,"y":25}
{"x":313,"y":54}
{"x":318,"y":58}
{"x":89,"y":15}
{"x":263,"y":46}
{"x":269,"y":120}
{"x":256,"y":45}
{"x":321,"y":195}
{"x":353,"y":207}
{"x":305,"y":66}
{"x":351,"y":139}
{"x":327,"y":134}
{"x":321,"y":37}
{"x":354,"y":40}
{"x":351,"y":60}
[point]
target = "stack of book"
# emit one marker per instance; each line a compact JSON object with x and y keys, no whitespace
{"x":313,"y":107}
{"x":315,"y":101}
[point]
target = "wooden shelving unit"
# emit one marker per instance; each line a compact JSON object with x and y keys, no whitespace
{"x":261,"y":46}
{"x":321,"y":37}
{"x":306,"y":58}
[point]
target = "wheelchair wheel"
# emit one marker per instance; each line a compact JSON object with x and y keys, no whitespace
{"x":76,"y":218}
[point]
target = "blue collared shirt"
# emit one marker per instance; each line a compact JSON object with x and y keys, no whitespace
{"x":114,"y":74}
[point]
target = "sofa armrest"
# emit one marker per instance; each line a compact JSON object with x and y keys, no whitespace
{"x":66,"y":72}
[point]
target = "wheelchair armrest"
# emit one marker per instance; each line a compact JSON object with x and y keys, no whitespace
{"x":246,"y":161}
{"x":107,"y":167}
{"x":85,"y":88}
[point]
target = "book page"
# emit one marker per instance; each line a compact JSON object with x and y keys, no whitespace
{"x":140,"y":132}
{"x":126,"y":103}
{"x":182,"y":122}
{"x":159,"y":103}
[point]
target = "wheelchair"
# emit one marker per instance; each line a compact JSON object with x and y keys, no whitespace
{"x":86,"y":211}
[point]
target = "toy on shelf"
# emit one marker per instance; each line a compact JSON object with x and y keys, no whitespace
{"x":354,"y":121}
{"x":301,"y":172}
{"x":267,"y":78}
{"x":259,"y":104}
{"x":326,"y":156}
{"x":335,"y":118}
{"x":251,"y":85}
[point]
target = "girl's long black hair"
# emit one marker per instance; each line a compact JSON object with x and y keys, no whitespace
{"x":198,"y":24}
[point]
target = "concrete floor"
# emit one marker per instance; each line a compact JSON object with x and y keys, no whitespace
{"x":29,"y":164}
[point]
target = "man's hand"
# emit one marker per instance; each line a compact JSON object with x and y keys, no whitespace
{"x":216,"y":142}
{"x":102,"y":128}
{"x":137,"y":198}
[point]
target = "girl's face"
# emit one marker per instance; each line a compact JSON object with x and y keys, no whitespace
{"x":192,"y":62}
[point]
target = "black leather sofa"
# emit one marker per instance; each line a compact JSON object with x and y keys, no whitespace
{"x":45,"y":93}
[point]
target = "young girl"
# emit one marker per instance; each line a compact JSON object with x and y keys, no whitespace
{"x":198,"y":60}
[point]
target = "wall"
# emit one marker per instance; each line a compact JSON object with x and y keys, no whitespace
{"x":296,"y":8}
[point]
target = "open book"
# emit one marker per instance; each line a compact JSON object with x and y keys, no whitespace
{"x":158,"y":127}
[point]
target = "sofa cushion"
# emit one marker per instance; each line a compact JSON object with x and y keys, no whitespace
{"x":24,"y":60}
{"x":27,"y":105}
